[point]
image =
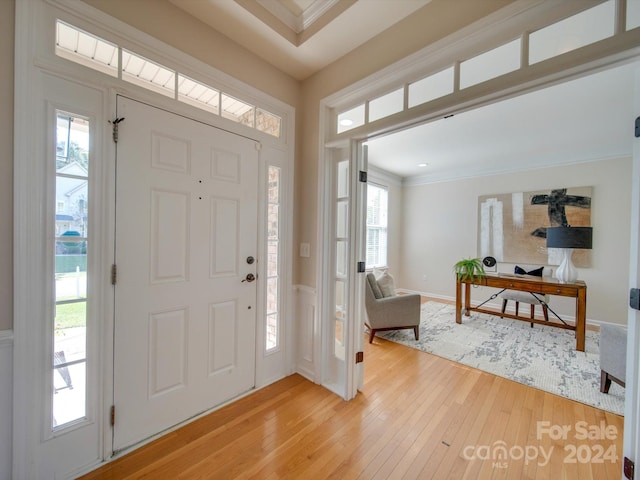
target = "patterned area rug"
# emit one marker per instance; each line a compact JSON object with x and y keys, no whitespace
{"x":541,"y":357}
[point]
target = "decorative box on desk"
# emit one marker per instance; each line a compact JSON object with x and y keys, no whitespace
{"x":527,"y":283}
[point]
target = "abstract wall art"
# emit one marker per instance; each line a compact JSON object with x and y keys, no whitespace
{"x":512,"y":227}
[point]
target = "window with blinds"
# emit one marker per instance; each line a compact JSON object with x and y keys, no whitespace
{"x":377,"y":210}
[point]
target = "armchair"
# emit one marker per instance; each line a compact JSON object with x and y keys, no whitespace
{"x":613,"y":356}
{"x":394,"y":312}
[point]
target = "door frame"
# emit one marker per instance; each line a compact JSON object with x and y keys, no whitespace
{"x":622,"y":47}
{"x":631,"y":446}
{"x":336,"y":374}
{"x":34,"y":55}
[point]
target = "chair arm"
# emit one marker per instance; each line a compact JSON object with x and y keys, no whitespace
{"x":396,"y":311}
{"x":613,"y":350}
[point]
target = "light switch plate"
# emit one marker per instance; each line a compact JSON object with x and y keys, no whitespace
{"x":304,"y":250}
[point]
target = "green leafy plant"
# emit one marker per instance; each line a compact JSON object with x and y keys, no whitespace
{"x":469,"y":269}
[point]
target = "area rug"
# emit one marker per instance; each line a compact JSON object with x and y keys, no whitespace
{"x":542,"y":357}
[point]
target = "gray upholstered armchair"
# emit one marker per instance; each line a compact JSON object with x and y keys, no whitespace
{"x":394,"y":312}
{"x":613,"y":356}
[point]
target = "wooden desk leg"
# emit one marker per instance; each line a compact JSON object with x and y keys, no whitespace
{"x":581,"y":321}
{"x":458,"y":301}
{"x":467,"y":299}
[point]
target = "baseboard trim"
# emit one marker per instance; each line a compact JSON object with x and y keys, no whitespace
{"x":425,"y":294}
{"x":303,"y":372}
{"x":568,"y":318}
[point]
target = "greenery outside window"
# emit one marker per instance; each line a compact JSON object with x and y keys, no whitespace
{"x":69,"y":362}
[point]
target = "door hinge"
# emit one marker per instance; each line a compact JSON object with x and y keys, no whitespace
{"x":628,"y":468}
{"x":113,"y":415}
{"x":637,"y":132}
{"x":359,"y":357}
{"x":363,"y":176}
{"x":362,"y":267}
{"x":115,"y":123}
{"x":114,"y":274}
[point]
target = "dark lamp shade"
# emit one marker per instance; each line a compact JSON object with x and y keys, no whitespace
{"x":569,"y":237}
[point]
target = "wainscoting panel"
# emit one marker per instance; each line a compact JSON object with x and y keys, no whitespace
{"x":308,"y":341}
{"x":6,"y":403}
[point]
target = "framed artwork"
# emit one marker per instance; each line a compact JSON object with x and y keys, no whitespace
{"x":512,"y":227}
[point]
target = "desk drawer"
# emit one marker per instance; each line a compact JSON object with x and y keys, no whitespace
{"x":564,"y":290}
{"x":547,"y":288}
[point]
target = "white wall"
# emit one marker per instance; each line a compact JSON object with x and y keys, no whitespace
{"x":440,"y":228}
{"x":6,"y":403}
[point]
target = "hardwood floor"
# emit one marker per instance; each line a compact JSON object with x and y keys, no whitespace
{"x":419,"y":417}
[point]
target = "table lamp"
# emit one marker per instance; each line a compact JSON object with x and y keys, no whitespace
{"x":567,"y":238}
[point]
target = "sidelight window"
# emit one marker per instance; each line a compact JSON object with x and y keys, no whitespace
{"x":69,"y":325}
{"x":273,"y":261}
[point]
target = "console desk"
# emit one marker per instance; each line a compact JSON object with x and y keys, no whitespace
{"x":527,"y":283}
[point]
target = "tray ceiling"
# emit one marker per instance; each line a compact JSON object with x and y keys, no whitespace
{"x":300,"y":37}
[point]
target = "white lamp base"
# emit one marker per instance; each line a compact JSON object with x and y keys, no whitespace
{"x":566,"y":272}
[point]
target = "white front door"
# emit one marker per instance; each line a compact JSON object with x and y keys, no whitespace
{"x":185,"y":319}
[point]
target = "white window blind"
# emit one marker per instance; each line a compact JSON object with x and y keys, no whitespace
{"x":377,"y":211}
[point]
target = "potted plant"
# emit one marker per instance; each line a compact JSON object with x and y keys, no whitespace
{"x":469,"y":269}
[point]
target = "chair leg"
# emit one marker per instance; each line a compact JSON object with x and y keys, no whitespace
{"x":416,"y":332}
{"x":372,"y":334}
{"x":533,"y":313}
{"x":605,"y":382}
{"x":504,"y":306}
{"x":545,"y":312}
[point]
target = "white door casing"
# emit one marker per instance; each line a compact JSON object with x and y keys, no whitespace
{"x":40,"y":449}
{"x":185,"y":320}
{"x":360,"y":150}
{"x":631,"y":446}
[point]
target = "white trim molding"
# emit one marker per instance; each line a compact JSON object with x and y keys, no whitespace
{"x":378,"y":175}
{"x":6,"y":403}
{"x":308,"y":332}
{"x":6,"y":338}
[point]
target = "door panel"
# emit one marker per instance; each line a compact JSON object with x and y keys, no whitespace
{"x":186,"y":221}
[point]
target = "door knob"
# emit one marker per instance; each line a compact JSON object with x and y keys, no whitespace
{"x":249,"y":278}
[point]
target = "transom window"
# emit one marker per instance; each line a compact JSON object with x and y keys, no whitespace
{"x":584,"y":28}
{"x":98,"y":54}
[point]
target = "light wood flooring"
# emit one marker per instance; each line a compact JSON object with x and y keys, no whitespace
{"x":419,"y":417}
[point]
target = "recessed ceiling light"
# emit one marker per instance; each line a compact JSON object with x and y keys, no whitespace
{"x":423,"y":164}
{"x":345,"y":122}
